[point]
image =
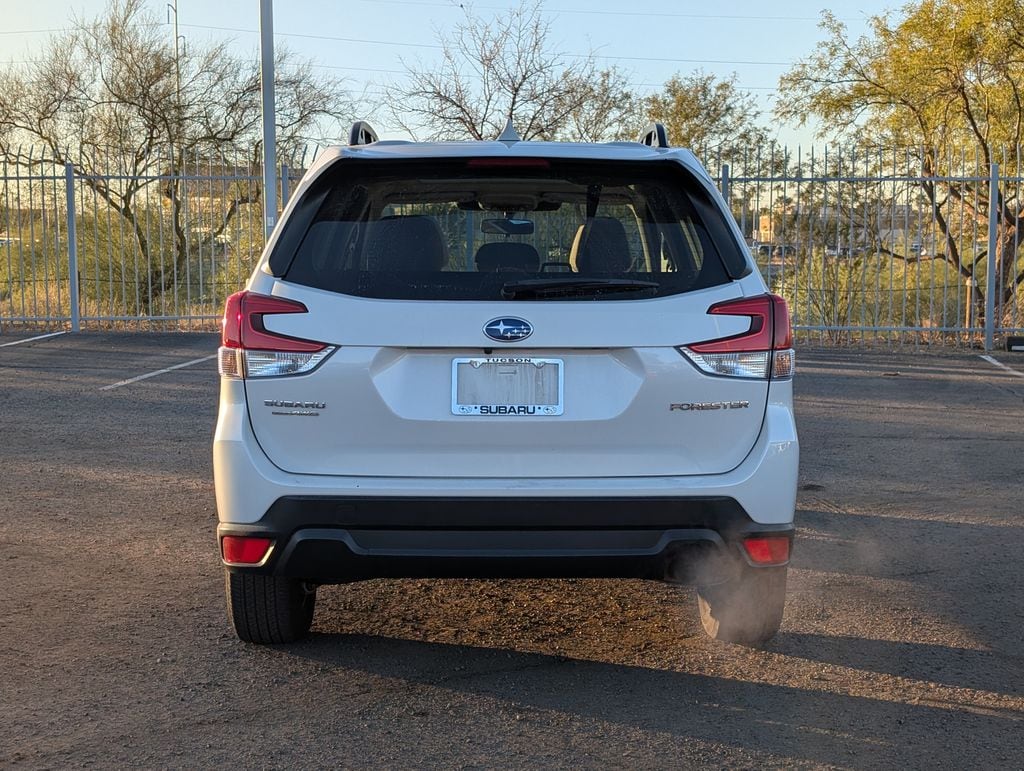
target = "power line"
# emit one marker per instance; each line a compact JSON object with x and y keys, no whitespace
{"x":32,"y":31}
{"x":403,"y":44}
{"x":478,"y":77}
{"x":386,"y":71}
{"x":695,"y":61}
{"x":435,"y":46}
{"x":592,"y":12}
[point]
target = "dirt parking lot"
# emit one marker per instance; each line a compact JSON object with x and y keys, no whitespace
{"x":901,"y":644}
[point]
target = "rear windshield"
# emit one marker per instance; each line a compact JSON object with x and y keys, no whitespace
{"x":487,"y":229}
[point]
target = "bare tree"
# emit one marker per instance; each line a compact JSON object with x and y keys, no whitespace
{"x":111,"y":98}
{"x":711,"y":115}
{"x":506,"y":67}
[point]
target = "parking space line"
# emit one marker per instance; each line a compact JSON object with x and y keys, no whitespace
{"x":157,"y":372}
{"x":999,"y":364}
{"x":30,"y":339}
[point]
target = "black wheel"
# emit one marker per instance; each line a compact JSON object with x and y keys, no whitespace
{"x":745,"y":609}
{"x":267,"y":609}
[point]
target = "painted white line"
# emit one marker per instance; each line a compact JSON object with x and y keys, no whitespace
{"x":157,"y":372}
{"x":999,"y":364}
{"x":30,"y":339}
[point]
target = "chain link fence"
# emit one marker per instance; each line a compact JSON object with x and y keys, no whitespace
{"x":863,"y":244}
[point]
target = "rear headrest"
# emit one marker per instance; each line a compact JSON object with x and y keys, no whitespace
{"x":606,"y":249}
{"x":414,"y":242}
{"x":507,"y":255}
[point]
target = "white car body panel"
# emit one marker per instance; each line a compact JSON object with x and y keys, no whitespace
{"x":388,"y":399}
{"x":248,"y":483}
{"x":382,"y":435}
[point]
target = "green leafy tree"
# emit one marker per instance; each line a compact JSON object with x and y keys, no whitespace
{"x":945,"y":77}
{"x":711,"y":115}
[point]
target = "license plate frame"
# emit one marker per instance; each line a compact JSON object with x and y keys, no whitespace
{"x":512,"y":407}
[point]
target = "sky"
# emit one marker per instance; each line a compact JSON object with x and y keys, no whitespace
{"x":366,"y":41}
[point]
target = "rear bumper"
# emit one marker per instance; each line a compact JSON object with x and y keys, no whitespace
{"x":334,"y":539}
{"x":248,"y":484}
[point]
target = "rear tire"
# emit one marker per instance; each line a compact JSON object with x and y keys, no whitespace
{"x":747,"y":608}
{"x":268,"y":609}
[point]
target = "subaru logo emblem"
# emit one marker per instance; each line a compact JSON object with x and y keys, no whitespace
{"x":508,"y":330}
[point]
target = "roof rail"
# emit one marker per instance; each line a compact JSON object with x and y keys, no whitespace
{"x":655,"y":136}
{"x":362,"y":133}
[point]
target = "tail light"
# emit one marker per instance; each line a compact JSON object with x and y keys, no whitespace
{"x":764,"y":351}
{"x":506,"y":163}
{"x":249,"y":350}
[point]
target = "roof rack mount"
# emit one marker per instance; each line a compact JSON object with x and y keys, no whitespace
{"x":362,"y":133}
{"x":655,"y":136}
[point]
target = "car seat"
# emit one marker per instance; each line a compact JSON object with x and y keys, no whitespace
{"x":606,"y":249}
{"x":507,"y":256}
{"x":401,"y":243}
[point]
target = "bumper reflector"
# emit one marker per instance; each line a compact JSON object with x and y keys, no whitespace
{"x":245,"y":550}
{"x":767,"y":550}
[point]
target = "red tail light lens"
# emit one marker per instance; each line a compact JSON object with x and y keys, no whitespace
{"x":243,"y":323}
{"x":782,"y":330}
{"x":763,"y":350}
{"x":245,"y":550}
{"x":767,"y":550}
{"x":248,"y":349}
{"x":769,"y":326}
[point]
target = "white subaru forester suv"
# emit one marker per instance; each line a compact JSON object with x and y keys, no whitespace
{"x":506,"y":359}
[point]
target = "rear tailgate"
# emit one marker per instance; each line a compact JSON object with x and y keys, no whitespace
{"x":383,"y":403}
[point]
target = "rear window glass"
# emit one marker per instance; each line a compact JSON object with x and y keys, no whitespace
{"x":482,"y":229}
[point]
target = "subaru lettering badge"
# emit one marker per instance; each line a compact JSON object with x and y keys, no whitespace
{"x":508,"y":330}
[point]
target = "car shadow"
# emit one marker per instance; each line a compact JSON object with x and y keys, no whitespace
{"x":791,"y":724}
{"x":958,"y":667}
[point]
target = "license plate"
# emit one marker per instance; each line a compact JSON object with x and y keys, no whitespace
{"x":507,"y":386}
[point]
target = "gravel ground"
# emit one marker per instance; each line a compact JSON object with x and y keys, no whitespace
{"x":901,"y":644}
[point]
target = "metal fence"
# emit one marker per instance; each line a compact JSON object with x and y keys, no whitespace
{"x":902,"y":246}
{"x":159,"y":250}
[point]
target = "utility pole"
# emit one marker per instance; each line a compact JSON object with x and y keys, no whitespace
{"x":179,"y":201}
{"x":269,"y":133}
{"x":172,"y":7}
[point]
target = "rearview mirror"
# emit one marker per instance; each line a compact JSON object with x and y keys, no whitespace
{"x":507,"y":227}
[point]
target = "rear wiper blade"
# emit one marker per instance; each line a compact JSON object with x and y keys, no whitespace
{"x":533,"y":288}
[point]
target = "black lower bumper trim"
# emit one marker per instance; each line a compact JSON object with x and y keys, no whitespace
{"x":334,"y":540}
{"x":503,"y":513}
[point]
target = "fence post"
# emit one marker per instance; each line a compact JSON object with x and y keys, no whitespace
{"x":990,"y":276}
{"x":72,"y":231}
{"x":269,"y":111}
{"x":284,"y":185}
{"x":970,"y":283}
{"x":725,"y":185}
